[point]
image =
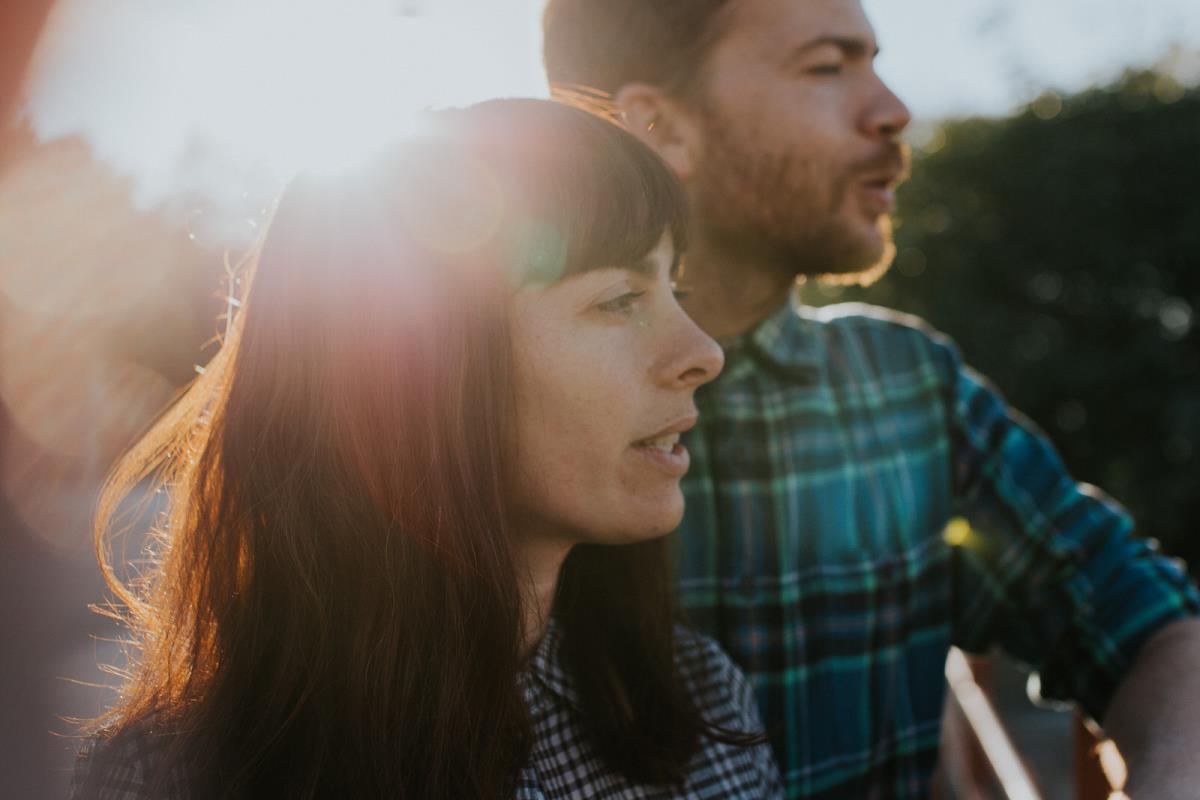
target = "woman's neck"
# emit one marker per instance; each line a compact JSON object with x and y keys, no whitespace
{"x":543,"y":558}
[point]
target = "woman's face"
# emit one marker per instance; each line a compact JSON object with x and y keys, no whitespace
{"x":606,"y":366}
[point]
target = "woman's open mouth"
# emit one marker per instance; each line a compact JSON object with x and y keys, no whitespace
{"x":665,"y":452}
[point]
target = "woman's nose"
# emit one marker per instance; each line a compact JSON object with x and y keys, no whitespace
{"x":697,"y":358}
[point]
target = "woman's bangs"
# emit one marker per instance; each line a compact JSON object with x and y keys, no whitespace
{"x":582,"y":193}
{"x":628,"y":199}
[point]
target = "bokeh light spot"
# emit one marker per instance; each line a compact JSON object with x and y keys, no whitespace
{"x":539,"y":253}
{"x":1046,"y":287}
{"x":1071,"y":416}
{"x":1175,"y":316}
{"x":1047,"y":106}
{"x":957,"y":532}
{"x":911,"y":262}
{"x":1167,"y":89}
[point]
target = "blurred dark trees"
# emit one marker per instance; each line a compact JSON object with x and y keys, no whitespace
{"x":1061,"y":248}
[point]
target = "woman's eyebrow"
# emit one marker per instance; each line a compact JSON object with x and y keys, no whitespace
{"x":647,"y":265}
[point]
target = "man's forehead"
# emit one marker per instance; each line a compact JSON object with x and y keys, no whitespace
{"x":789,"y":23}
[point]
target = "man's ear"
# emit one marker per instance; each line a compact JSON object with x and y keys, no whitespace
{"x":663,"y":123}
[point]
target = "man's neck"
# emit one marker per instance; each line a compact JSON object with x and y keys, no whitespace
{"x":727,"y":295}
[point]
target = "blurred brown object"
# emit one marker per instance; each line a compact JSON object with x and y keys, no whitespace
{"x":21,"y":23}
{"x":978,"y":759}
{"x":1099,"y":769}
{"x":103,"y":311}
{"x":974,"y":764}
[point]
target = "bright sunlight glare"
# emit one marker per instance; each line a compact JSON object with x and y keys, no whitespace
{"x":269,"y":87}
{"x":210,"y":106}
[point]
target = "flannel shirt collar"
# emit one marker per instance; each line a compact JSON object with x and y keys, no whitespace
{"x":546,"y":666}
{"x":786,"y":342}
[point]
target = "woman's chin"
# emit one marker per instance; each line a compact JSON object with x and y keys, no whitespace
{"x":653,"y":519}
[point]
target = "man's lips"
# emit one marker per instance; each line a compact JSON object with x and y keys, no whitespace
{"x":879,"y":196}
{"x":878,"y":178}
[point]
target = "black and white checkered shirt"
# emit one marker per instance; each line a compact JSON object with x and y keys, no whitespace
{"x":564,"y":763}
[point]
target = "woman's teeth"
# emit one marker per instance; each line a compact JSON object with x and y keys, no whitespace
{"x":664,"y":443}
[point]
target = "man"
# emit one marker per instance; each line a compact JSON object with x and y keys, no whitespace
{"x":838,"y":443}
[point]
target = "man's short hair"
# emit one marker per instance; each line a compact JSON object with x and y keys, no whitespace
{"x":601,"y":45}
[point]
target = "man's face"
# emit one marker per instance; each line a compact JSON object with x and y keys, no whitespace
{"x":798,"y":162}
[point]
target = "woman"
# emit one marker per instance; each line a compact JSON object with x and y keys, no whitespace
{"x":389,"y":570}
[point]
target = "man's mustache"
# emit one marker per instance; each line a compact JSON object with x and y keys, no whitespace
{"x":893,"y":159}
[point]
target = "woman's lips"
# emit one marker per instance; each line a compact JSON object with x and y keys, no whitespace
{"x":664,"y":451}
{"x":673,"y":460}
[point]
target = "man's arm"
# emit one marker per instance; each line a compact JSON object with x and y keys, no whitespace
{"x":1055,"y":574}
{"x":1154,"y":717}
{"x":1057,"y":578}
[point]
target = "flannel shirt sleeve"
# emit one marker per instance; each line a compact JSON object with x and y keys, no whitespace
{"x":1051,"y":571}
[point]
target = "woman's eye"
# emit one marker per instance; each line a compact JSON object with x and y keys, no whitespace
{"x":620,"y":305}
{"x":680,"y":290}
{"x":825,"y":69}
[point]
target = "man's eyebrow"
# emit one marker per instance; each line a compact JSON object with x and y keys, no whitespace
{"x":851,"y":47}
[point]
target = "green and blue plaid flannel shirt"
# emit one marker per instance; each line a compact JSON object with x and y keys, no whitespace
{"x":830,"y":455}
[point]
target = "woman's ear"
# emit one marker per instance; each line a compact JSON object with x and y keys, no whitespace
{"x":662,"y":123}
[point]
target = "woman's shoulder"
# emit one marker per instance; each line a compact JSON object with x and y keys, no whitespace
{"x":695,"y":650}
{"x":129,"y":764}
{"x":721,"y":689}
{"x":726,"y":700}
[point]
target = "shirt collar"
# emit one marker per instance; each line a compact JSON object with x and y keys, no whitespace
{"x":546,"y":666}
{"x":786,"y":341}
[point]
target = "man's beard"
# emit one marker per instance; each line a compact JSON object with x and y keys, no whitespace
{"x":767,"y":207}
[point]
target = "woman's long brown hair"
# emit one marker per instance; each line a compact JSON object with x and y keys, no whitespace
{"x":333,"y":606}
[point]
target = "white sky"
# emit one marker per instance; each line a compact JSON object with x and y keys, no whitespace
{"x":185,"y":95}
{"x":949,"y":57}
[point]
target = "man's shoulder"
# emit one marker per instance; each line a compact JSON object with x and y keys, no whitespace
{"x":891,"y":339}
{"x":866,"y":319}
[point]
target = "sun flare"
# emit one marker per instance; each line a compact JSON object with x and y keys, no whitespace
{"x":269,"y":87}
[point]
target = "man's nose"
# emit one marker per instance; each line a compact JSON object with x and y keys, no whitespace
{"x":887,"y":115}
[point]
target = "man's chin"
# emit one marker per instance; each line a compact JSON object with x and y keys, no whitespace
{"x":863,"y":276}
{"x":863,"y":260}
